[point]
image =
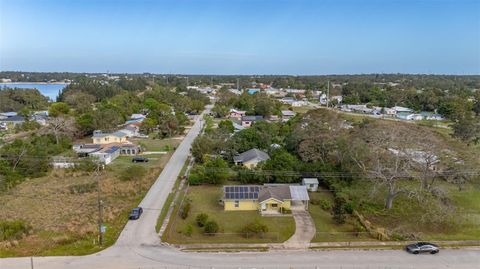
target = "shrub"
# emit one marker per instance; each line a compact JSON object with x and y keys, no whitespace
{"x":323,"y":203}
{"x":188,"y":230}
{"x":83,"y":188}
{"x":185,"y":209}
{"x":132,"y":172}
{"x":254,"y":228}
{"x":13,"y":230}
{"x":349,"y":207}
{"x":211,"y":227}
{"x":339,"y":210}
{"x":201,"y":219}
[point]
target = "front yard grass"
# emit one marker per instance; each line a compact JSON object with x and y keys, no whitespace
{"x":205,"y":199}
{"x":327,"y":229}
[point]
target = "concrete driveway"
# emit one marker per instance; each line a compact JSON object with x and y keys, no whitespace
{"x":304,"y":229}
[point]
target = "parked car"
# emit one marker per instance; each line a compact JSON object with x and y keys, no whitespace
{"x":422,"y":247}
{"x":136,"y":213}
{"x":138,"y":159}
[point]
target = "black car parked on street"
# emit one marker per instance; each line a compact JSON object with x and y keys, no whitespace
{"x":136,"y":213}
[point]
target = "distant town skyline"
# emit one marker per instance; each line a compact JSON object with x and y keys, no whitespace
{"x":246,"y":37}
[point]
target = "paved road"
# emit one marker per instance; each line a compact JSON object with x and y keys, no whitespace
{"x":138,"y":245}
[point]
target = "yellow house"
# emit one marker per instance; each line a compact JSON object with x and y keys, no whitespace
{"x":250,"y":158}
{"x":266,"y":199}
{"x":106,"y":138}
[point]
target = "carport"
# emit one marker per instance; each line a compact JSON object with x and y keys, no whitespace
{"x":299,"y":195}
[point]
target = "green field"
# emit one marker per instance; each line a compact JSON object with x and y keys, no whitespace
{"x":327,"y":229}
{"x":205,"y":199}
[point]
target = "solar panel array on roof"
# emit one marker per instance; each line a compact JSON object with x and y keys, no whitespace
{"x":241,"y":192}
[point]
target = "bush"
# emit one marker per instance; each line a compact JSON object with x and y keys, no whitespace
{"x":201,"y":219}
{"x":323,"y":203}
{"x":349,"y":207}
{"x":13,"y":230}
{"x":132,"y":172}
{"x":339,"y":210}
{"x":188,"y":230}
{"x":254,"y":228}
{"x":83,"y":188}
{"x":185,"y":209}
{"x":211,"y":227}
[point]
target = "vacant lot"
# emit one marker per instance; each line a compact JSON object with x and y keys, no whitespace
{"x":327,"y":229}
{"x":205,"y":199}
{"x":62,"y":207}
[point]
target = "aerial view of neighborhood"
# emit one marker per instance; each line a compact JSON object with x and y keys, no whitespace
{"x":239,"y":134}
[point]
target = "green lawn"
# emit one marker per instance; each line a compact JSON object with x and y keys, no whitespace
{"x":205,"y":199}
{"x":157,"y":144}
{"x":327,"y":229}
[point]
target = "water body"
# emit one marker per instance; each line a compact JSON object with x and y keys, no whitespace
{"x":47,"y":89}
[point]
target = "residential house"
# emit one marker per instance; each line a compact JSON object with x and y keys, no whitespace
{"x":401,"y":109}
{"x":287,"y":115}
{"x":250,"y":158}
{"x":247,"y":121}
{"x":11,"y":121}
{"x":105,"y":138}
{"x":267,"y":199}
{"x":131,"y":130}
{"x":310,"y":183}
{"x":236,"y":114}
{"x":106,"y":155}
{"x":431,"y":116}
{"x":83,"y":150}
{"x":409,"y":116}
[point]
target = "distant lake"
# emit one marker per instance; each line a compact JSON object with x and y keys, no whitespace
{"x":47,"y":89}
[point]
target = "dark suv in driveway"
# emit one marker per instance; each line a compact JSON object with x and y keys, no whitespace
{"x":422,"y":247}
{"x":136,"y":213}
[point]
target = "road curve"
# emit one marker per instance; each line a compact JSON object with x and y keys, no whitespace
{"x":138,"y":246}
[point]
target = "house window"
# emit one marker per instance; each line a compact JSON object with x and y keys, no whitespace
{"x":311,"y":185}
{"x":274,"y":205}
{"x":237,"y":203}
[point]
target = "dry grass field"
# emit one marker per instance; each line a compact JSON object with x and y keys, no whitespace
{"x":62,"y":207}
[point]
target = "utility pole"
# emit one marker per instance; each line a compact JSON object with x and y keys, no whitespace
{"x":187,"y":81}
{"x":211,"y":82}
{"x":238,"y":84}
{"x":100,"y":206}
{"x":328,"y":92}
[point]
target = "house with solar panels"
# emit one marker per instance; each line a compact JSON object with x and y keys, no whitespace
{"x":267,"y":199}
{"x":106,"y":155}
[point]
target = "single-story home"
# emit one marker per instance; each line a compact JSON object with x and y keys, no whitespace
{"x":105,"y":138}
{"x":310,"y":183}
{"x":237,"y":114}
{"x":11,"y":121}
{"x":131,"y":130}
{"x":250,"y":158}
{"x":269,"y":198}
{"x":409,"y":116}
{"x":247,"y":121}
{"x":106,"y":155}
{"x":287,"y":115}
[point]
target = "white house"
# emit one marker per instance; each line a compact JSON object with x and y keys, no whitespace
{"x":106,"y":155}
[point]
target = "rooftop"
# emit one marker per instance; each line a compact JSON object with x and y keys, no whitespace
{"x":250,"y":155}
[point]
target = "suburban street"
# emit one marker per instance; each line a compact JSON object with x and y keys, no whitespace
{"x":139,"y":245}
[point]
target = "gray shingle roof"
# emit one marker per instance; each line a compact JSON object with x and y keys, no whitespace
{"x":117,"y":134}
{"x":250,"y":155}
{"x":252,"y":118}
{"x":278,"y":192}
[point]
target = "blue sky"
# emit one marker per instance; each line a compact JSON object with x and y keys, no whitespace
{"x":241,"y":36}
